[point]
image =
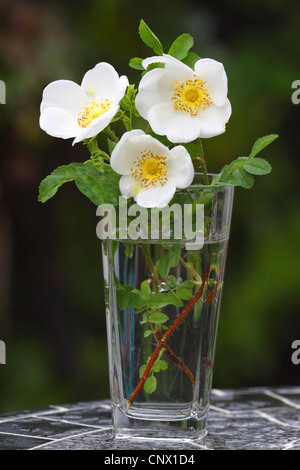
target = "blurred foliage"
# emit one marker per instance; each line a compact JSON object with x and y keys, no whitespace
{"x":51,"y":300}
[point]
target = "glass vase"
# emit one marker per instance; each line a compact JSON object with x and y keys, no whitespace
{"x":163,"y":300}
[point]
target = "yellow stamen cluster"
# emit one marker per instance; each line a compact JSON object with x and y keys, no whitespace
{"x":190,"y":96}
{"x":149,"y":170}
{"x":93,"y":110}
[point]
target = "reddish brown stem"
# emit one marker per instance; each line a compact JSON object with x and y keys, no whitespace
{"x":161,"y":344}
{"x":176,"y":360}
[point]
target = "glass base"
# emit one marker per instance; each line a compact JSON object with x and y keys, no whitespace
{"x":185,"y":429}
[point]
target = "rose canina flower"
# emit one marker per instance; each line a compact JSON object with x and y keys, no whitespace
{"x":82,"y":111}
{"x":183,"y":103}
{"x":151,"y":172}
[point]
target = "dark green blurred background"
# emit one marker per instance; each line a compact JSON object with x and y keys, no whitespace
{"x":51,"y":301}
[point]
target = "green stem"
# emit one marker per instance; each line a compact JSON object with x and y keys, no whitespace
{"x":203,"y":162}
{"x":111,"y":134}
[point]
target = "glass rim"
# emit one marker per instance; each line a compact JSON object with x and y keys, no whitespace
{"x":204,"y":186}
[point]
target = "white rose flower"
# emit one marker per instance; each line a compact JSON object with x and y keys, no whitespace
{"x":151,"y":172}
{"x":82,"y":111}
{"x":183,"y":103}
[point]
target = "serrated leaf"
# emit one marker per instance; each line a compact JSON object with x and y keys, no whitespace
{"x":181,"y":46}
{"x":136,"y":63}
{"x":149,"y":38}
{"x":261,"y":143}
{"x":158,"y":317}
{"x":99,"y":187}
{"x":258,"y":166}
{"x":154,"y":65}
{"x":150,"y":384}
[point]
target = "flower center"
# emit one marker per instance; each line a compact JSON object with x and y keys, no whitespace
{"x":149,"y":170}
{"x":190,"y":96}
{"x":93,"y":110}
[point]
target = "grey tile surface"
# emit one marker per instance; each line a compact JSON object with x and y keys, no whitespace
{"x":255,"y":418}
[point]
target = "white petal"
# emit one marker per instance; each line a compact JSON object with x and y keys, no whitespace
{"x":64,"y":94}
{"x":181,"y":71}
{"x":156,"y":196}
{"x":178,"y":126}
{"x":213,"y":120}
{"x":213,"y":73}
{"x":131,"y":146}
{"x":101,"y":82}
{"x":122,"y":155}
{"x":97,"y":125}
{"x":181,"y":169}
{"x":59,"y":123}
{"x":155,"y":87}
{"x":123,"y":84}
{"x":127,"y":186}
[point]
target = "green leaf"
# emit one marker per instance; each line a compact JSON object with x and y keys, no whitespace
{"x":111,"y":145}
{"x":149,"y":38}
{"x":136,"y":300}
{"x":150,"y":384}
{"x":171,"y":281}
{"x":188,"y":284}
{"x":159,"y":365}
{"x":174,"y":255}
{"x":154,"y":65}
{"x":261,"y":143}
{"x":122,"y":297}
{"x":142,"y":369}
{"x":99,"y":187}
{"x":157,"y":301}
{"x":136,"y":63}
{"x":145,"y":288}
{"x":164,"y":265}
{"x":245,"y":179}
{"x":173,"y":299}
{"x":184,"y":293}
{"x":193,"y":149}
{"x":191,"y":59}
{"x":181,"y":46}
{"x":129,"y":250}
{"x":146,"y":334}
{"x":258,"y":166}
{"x":158,"y":317}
